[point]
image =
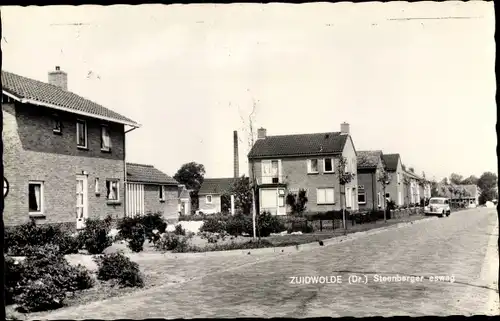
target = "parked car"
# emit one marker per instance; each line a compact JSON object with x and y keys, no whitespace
{"x":438,"y":206}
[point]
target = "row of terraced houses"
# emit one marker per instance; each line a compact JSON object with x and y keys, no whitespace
{"x":65,"y":161}
{"x":285,"y":164}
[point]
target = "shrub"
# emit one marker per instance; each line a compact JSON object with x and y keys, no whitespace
{"x":82,"y":279}
{"x":117,"y":266}
{"x":213,"y":224}
{"x":193,"y":217}
{"x":95,"y":236}
{"x":47,"y":277}
{"x":232,"y":246}
{"x":150,"y":222}
{"x":213,"y":237}
{"x":267,"y":224}
{"x":137,"y":239}
{"x":40,"y":295}
{"x":179,"y":230}
{"x":239,"y":224}
{"x":170,"y":241}
{"x":20,"y":240}
{"x":13,"y":273}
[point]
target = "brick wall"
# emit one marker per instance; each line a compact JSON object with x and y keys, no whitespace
{"x":295,"y":175}
{"x":366,"y":178}
{"x":33,"y":152}
{"x":216,"y":203}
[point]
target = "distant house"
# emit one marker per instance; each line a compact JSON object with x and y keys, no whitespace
{"x":64,"y":155}
{"x":184,"y":200}
{"x":395,"y":189}
{"x":214,"y":195}
{"x":370,"y":190}
{"x":416,"y":188}
{"x":285,"y":164}
{"x":465,"y":194}
{"x":149,"y":190}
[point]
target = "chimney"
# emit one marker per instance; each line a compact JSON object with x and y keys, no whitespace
{"x":344,"y":128}
{"x":58,"y":78}
{"x":236,"y":160}
{"x":261,"y":133}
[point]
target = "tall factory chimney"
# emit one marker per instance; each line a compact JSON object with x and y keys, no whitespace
{"x":236,"y":160}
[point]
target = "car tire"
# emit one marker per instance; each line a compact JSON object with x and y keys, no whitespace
{"x":448,"y":213}
{"x":441,"y":215}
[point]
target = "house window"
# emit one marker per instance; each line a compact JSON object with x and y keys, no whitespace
{"x":105,"y":138}
{"x":325,"y":195}
{"x":281,"y":200}
{"x":56,"y":124}
{"x":361,"y":194}
{"x":35,"y":195}
{"x":161,"y":190}
{"x":112,"y":190}
{"x":81,"y":133}
{"x":328,"y":165}
{"x":312,"y":166}
{"x":387,"y":195}
{"x":379,"y":199}
{"x":209,"y":199}
{"x":399,"y":178}
{"x":97,"y":186}
{"x":275,"y":171}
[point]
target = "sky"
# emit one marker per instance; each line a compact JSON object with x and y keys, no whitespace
{"x":416,"y":79}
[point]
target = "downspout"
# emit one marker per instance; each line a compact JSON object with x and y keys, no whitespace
{"x":374,"y":193}
{"x":125,"y":172}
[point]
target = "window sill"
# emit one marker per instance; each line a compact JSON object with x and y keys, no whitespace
{"x":313,"y":173}
{"x":56,"y":132}
{"x":105,"y":150}
{"x":328,"y":172}
{"x":37,"y":215}
{"x":82,"y":147}
{"x":362,"y":203}
{"x":113,"y":202}
{"x":325,"y":204}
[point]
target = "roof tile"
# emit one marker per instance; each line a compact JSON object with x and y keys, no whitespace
{"x":299,"y":145}
{"x":369,"y":159}
{"x":148,"y":174}
{"x":216,"y":185}
{"x":24,"y":87}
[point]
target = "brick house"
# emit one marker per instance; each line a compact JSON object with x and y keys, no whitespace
{"x":396,"y":188}
{"x":214,"y":195}
{"x":64,"y":155}
{"x":370,"y":190}
{"x":416,"y":188}
{"x":287,"y":163}
{"x":149,"y":190}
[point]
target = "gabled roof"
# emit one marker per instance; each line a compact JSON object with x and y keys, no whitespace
{"x":299,"y":145}
{"x":369,"y":159}
{"x":216,"y":186}
{"x":391,"y":161}
{"x":141,"y":173}
{"x":183,"y":192}
{"x":36,"y":92}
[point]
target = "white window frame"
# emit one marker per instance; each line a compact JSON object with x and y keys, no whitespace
{"x":78,"y":133}
{"x":96,"y":182}
{"x":325,"y":189}
{"x":309,"y":166}
{"x":333,"y":165}
{"x":42,"y":199}
{"x":206,"y":199}
{"x":361,"y":188}
{"x":117,"y":181}
{"x":105,"y":149}
{"x":379,"y":199}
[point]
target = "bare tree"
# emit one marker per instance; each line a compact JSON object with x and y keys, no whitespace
{"x":253,"y":178}
{"x":384,"y":178}
{"x":344,"y":178}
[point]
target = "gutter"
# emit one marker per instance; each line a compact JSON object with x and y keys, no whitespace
{"x":125,"y":171}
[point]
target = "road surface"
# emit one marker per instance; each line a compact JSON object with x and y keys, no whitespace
{"x":462,"y":249}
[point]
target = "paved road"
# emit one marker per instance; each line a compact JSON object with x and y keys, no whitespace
{"x":462,"y":246}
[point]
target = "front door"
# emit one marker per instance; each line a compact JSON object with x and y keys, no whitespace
{"x":81,"y":201}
